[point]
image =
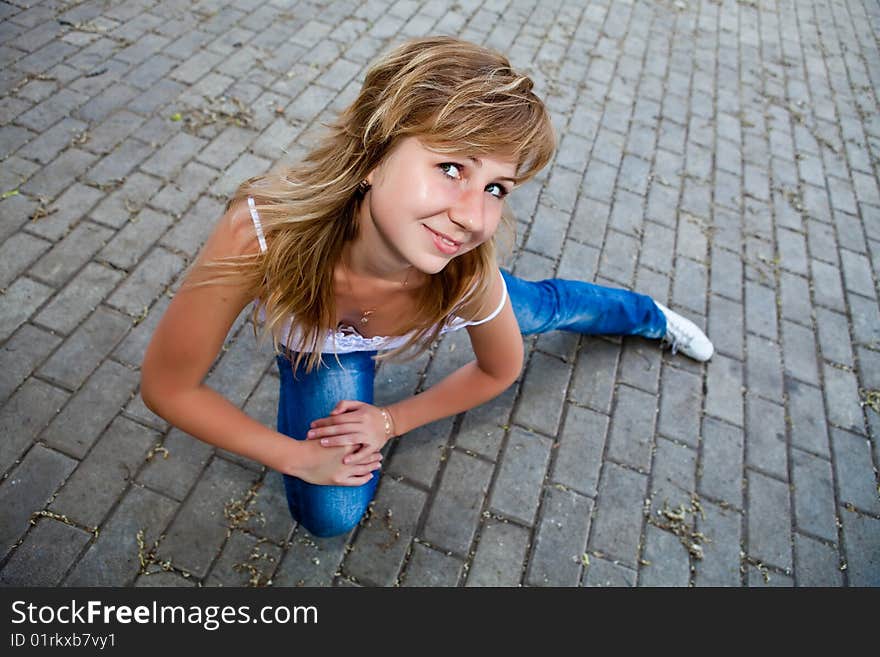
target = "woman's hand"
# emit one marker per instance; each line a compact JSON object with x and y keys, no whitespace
{"x":354,"y":423}
{"x":319,"y":465}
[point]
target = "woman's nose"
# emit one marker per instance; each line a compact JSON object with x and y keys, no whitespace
{"x":468,"y":212}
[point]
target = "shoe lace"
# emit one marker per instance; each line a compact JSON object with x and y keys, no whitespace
{"x":677,"y":336}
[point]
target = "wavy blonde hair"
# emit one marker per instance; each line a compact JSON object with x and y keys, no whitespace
{"x":456,"y":97}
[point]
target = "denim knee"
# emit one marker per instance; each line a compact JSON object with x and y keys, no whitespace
{"x":332,"y":522}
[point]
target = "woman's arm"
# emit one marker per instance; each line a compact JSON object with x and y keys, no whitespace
{"x":498,"y":348}
{"x":185,"y":344}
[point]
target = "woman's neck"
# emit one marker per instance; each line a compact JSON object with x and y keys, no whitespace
{"x":372,"y":258}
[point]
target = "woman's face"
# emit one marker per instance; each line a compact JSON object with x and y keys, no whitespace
{"x":431,"y":207}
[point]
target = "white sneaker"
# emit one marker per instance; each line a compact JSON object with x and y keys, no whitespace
{"x":685,"y":336}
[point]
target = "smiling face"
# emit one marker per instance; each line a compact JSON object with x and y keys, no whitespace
{"x":430,"y":207}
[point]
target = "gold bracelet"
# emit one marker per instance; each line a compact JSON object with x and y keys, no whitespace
{"x":387,"y":417}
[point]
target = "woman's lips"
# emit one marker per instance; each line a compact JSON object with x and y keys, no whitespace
{"x":443,"y":246}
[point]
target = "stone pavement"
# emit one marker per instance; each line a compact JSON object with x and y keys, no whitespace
{"x":720,"y":155}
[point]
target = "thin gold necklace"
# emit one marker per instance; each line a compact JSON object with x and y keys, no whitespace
{"x":365,"y":314}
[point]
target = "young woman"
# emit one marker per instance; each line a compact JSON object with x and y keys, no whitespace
{"x":381,"y":240}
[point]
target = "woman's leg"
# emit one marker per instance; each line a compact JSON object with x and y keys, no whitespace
{"x":324,"y":510}
{"x":567,"y":305}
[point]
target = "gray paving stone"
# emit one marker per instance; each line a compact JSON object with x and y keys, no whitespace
{"x":78,"y":298}
{"x":45,"y":555}
{"x":542,"y":394}
{"x":765,"y":437}
{"x":129,"y":244}
{"x":309,"y":560}
{"x":764,"y":368}
{"x":813,"y":486}
{"x":417,"y":455}
{"x":500,"y":555}
{"x":593,"y":379}
{"x":604,"y":573}
{"x":384,"y":539}
{"x":691,"y":242}
{"x":795,"y":298}
{"x":618,"y":259}
{"x":722,"y":462}
{"x":815,"y":563}
{"x":549,"y":242}
{"x":827,"y":288}
{"x":673,"y":480}
{"x":842,"y":399}
{"x":806,"y":416}
{"x":626,"y":214}
{"x":665,"y":560}
{"x":146,"y":282}
{"x":768,"y":520}
{"x":197,"y":533}
{"x":113,"y":559}
{"x":855,"y":474}
{"x":455,"y":511}
{"x":71,"y":253}
{"x":862,"y":548}
{"x":869,"y":369}
{"x":104,"y":473}
{"x":799,"y":352}
{"x":560,"y":539}
{"x":428,"y":567}
{"x":765,"y":578}
{"x":521,"y":472}
{"x":726,"y":326}
{"x":617,"y":520}
{"x":581,"y":446}
{"x":17,"y":253}
{"x":760,"y":310}
{"x":657,"y":246}
{"x":24,"y":416}
{"x":689,"y":288}
{"x":244,"y":561}
{"x":833,"y":332}
{"x":176,"y":472}
{"x":21,"y":354}
{"x":18,"y":302}
{"x":680,"y":405}
{"x":792,"y":251}
{"x":720,"y":565}
{"x":27,"y":489}
{"x":724,"y":383}
{"x":632,"y":428}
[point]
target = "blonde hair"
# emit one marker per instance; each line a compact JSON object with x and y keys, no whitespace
{"x":453,"y":95}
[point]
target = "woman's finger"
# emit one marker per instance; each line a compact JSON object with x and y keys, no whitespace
{"x":340,"y":441}
{"x":332,"y":430}
{"x":362,"y":459}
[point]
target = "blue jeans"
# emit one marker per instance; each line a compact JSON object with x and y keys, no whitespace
{"x":539,"y":306}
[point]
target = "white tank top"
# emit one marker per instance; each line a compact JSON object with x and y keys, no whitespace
{"x":347,"y":339}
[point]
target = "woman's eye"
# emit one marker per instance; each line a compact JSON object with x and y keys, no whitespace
{"x":453,"y":170}
{"x":502,"y":192}
{"x":454,"y":166}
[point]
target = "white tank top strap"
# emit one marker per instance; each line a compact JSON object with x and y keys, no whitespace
{"x":257,"y":225}
{"x":494,"y":312}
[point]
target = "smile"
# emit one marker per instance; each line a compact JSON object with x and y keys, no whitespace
{"x":443,"y":243}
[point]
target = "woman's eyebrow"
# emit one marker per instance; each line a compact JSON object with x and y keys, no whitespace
{"x":479,"y":163}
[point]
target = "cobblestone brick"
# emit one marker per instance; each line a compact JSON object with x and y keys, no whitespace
{"x":560,"y":539}
{"x":855,"y":474}
{"x":689,"y":287}
{"x":500,"y":555}
{"x":45,"y":555}
{"x":78,"y":298}
{"x":724,"y":382}
{"x":309,"y":560}
{"x":813,"y":495}
{"x":482,"y":428}
{"x":543,"y":394}
{"x":455,"y":510}
{"x":799,"y":351}
{"x":827,"y":289}
{"x":520,"y":474}
{"x":815,"y":563}
{"x":769,"y":520}
{"x":17,"y":253}
{"x":417,"y":455}
{"x":665,"y":560}
{"x":428,"y":567}
{"x":721,"y":467}
{"x":857,"y":273}
{"x":27,"y":489}
{"x":618,"y":518}
{"x":764,"y":368}
{"x":860,"y":534}
{"x":243,"y":561}
{"x":112,"y":560}
{"x":383,"y":540}
{"x":618,"y":259}
{"x":592,"y":382}
{"x":85,"y":348}
{"x":71,"y":253}
{"x":673,"y":477}
{"x":195,"y":536}
{"x":833,"y":332}
{"x":632,"y":428}
{"x":842,"y":397}
{"x":605,"y":573}
{"x":760,"y":311}
{"x":726,"y":276}
{"x":135,"y":239}
{"x":806,"y":416}
{"x":720,"y":565}
{"x":19,"y":301}
{"x":726,"y":326}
